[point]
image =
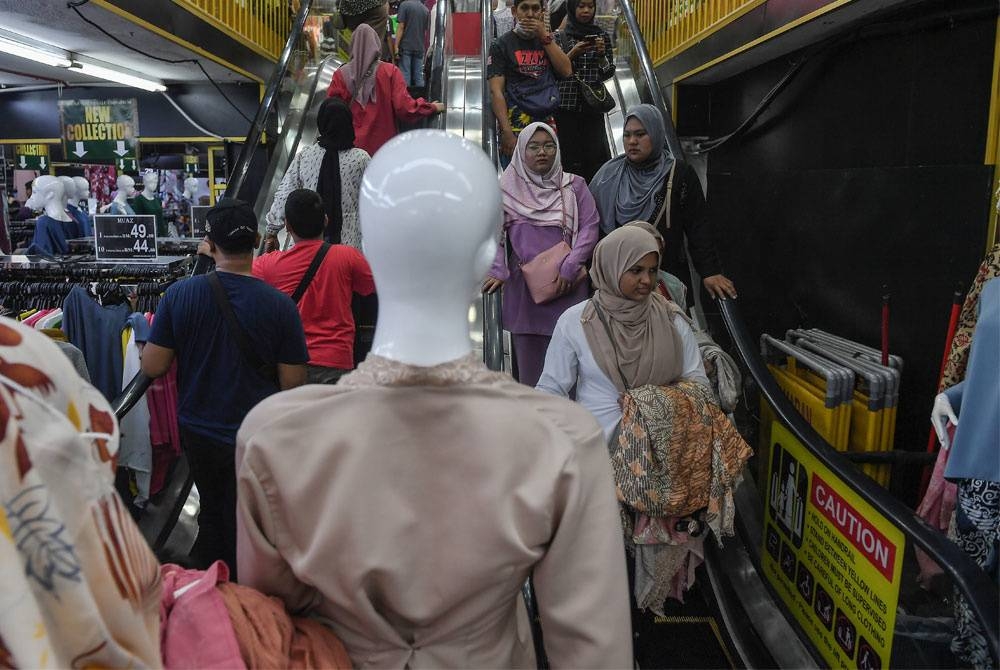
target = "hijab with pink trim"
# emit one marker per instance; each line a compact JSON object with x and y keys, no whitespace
{"x":359,"y":72}
{"x":540,"y":199}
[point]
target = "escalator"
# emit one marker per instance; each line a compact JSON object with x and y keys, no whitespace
{"x":835,"y":586}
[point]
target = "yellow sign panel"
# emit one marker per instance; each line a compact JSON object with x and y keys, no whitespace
{"x":831,"y":557}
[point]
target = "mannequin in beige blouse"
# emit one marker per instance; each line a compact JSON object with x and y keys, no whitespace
{"x":407,"y":505}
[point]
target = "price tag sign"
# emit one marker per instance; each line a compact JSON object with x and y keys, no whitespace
{"x":198,"y":218}
{"x":125,"y":238}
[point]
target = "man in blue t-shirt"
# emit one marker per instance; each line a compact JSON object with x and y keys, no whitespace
{"x":220,"y":379}
{"x":411,"y":41}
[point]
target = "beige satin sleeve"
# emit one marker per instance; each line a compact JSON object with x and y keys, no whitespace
{"x":581,"y":583}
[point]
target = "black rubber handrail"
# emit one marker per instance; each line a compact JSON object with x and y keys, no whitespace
{"x":978,"y":589}
{"x":493,"y":354}
{"x":242,"y":167}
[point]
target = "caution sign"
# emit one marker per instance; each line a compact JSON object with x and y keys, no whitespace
{"x":31,"y":156}
{"x":99,"y":130}
{"x":832,"y":558}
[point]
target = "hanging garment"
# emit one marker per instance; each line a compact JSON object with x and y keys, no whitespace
{"x":136,"y":452}
{"x":80,"y":586}
{"x":164,"y":434}
{"x":977,"y":531}
{"x":96,"y":331}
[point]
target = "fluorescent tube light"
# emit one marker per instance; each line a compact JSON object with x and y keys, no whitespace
{"x":20,"y":50}
{"x":118,"y":76}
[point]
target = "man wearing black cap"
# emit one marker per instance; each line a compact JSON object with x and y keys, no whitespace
{"x":236,"y":341}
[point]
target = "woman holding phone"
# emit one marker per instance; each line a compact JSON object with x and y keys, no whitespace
{"x":589,"y":50}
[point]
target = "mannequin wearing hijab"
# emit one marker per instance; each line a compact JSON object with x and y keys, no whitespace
{"x":652,"y":344}
{"x":333,"y":168}
{"x":636,"y":185}
{"x":376,"y":92}
{"x":542,"y":205}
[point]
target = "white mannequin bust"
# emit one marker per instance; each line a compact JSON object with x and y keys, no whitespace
{"x":69,"y":190}
{"x":190,"y":189}
{"x":150,"y":180}
{"x":429,"y":211}
{"x":82,"y":188}
{"x":48,"y":193}
{"x":126,"y":189}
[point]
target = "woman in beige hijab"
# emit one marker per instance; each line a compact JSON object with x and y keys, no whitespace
{"x":645,"y":339}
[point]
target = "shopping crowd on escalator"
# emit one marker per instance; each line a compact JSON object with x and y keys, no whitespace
{"x":601,"y":335}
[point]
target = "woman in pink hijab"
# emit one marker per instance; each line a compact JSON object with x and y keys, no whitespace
{"x":376,"y":92}
{"x":542,"y":206}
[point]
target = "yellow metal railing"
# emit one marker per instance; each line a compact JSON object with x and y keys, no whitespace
{"x":670,"y":26}
{"x":263,"y":25}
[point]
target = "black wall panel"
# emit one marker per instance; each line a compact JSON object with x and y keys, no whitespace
{"x":867,"y":170}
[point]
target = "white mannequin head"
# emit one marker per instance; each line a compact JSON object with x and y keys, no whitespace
{"x":69,"y":190}
{"x":430,"y":212}
{"x":126,"y":188}
{"x":48,"y":193}
{"x":190,"y":188}
{"x":150,"y":180}
{"x":82,"y":188}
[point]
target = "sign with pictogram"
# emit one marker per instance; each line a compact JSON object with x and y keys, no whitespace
{"x":199,"y":215}
{"x":96,"y":131}
{"x":833,"y":559}
{"x":31,"y":156}
{"x":125,"y":237}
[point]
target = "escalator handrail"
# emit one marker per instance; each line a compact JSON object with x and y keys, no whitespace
{"x":435,"y":85}
{"x":242,"y":167}
{"x":646,"y":65}
{"x":489,"y":122}
{"x":977,"y":588}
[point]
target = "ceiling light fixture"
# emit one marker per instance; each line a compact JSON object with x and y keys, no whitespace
{"x":20,"y":50}
{"x":118,"y":76}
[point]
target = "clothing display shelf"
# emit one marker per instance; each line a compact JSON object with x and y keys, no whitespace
{"x":32,"y":282}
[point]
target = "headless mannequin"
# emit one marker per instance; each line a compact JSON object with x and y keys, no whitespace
{"x":423,"y":314}
{"x":126,"y":189}
{"x":55,"y":226}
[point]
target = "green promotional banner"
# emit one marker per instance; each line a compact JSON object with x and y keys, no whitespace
{"x":31,"y":156}
{"x":99,"y":130}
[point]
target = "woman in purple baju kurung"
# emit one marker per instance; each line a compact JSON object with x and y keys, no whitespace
{"x":542,"y":206}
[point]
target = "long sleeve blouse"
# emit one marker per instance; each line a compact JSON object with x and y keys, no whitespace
{"x":520,"y":313}
{"x":375,"y":123}
{"x":569,"y":362}
{"x":303,"y":172}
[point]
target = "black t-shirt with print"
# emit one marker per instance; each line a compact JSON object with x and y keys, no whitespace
{"x":516,"y":58}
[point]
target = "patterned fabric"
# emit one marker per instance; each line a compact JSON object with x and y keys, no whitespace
{"x":303,"y":172}
{"x":354,"y":7}
{"x":977,"y":531}
{"x":958,"y":356}
{"x":592,"y":67}
{"x":80,"y":586}
{"x":677,"y":453}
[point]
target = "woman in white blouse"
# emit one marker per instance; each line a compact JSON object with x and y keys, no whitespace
{"x":627,"y":335}
{"x":332,"y":167}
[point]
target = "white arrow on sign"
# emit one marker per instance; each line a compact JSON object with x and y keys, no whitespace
{"x":41,"y":162}
{"x":121,"y":150}
{"x":80,"y":151}
{"x":23,"y":163}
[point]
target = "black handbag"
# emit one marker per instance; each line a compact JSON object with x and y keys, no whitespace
{"x":596,"y":97}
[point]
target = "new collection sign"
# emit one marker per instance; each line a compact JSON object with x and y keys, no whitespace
{"x":831,"y":557}
{"x":31,"y":156}
{"x":99,"y":130}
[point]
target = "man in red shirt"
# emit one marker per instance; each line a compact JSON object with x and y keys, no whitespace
{"x":324,"y":299}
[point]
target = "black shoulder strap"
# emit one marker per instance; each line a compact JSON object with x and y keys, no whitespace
{"x":307,"y":278}
{"x":222,"y":301}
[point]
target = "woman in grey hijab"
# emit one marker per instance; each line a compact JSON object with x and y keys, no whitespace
{"x":647,"y":183}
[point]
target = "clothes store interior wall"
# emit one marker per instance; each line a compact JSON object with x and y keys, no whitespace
{"x":867,"y":170}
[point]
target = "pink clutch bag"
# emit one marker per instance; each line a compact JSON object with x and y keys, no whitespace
{"x":541,"y":272}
